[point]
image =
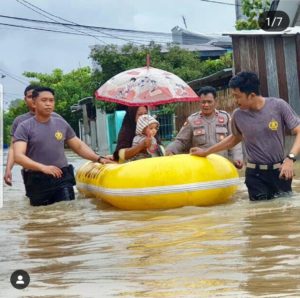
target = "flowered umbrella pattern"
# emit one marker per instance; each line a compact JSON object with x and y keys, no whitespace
{"x":145,"y":86}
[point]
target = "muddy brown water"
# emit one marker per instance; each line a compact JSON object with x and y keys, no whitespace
{"x":87,"y":248}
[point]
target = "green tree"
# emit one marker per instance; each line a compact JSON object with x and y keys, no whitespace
{"x":187,"y":65}
{"x":69,"y":89}
{"x":252,"y":10}
{"x":80,"y":83}
{"x":16,"y":108}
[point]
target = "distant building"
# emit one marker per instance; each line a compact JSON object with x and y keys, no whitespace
{"x":204,"y":51}
{"x":186,"y":37}
{"x":208,"y":46}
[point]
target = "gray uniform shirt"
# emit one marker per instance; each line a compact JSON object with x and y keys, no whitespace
{"x":200,"y":131}
{"x":263,"y":131}
{"x":45,"y":141}
{"x":22,"y":118}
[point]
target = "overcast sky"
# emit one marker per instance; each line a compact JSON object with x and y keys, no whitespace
{"x":40,"y":51}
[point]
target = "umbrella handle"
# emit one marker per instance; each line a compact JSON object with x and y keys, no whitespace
{"x":148,"y":60}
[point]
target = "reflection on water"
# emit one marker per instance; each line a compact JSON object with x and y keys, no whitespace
{"x":87,"y":248}
{"x":272,"y":251}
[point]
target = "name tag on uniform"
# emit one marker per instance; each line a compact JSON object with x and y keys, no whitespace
{"x":199,"y":132}
{"x":198,"y":122}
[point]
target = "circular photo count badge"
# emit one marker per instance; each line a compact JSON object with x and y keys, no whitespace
{"x":274,"y":20}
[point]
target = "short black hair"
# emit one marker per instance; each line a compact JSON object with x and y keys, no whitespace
{"x":207,"y":89}
{"x":36,"y":92}
{"x":30,"y":87}
{"x":246,"y":81}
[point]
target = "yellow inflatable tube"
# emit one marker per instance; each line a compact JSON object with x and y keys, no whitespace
{"x":160,"y":182}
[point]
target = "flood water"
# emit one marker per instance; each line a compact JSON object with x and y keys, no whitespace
{"x":86,"y":248}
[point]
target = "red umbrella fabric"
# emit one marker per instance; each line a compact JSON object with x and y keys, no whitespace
{"x":145,"y":86}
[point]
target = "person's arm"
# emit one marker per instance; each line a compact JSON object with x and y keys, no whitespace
{"x":10,"y":155}
{"x":228,"y":142}
{"x":287,"y":168}
{"x":127,"y":153}
{"x":83,"y":150}
{"x":183,"y":140}
{"x":26,"y":162}
{"x":9,"y":165}
{"x":236,"y":152}
{"x":237,"y":155}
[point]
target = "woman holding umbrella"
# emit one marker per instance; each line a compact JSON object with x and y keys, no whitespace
{"x":139,"y":88}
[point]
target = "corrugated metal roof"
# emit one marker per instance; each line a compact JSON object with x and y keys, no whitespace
{"x":215,"y":37}
{"x":194,"y":47}
{"x":219,"y":75}
{"x":289,"y":31}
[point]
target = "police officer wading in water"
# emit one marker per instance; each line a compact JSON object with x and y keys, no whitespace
{"x":10,"y":156}
{"x":206,"y":128}
{"x":261,"y":123}
{"x":39,"y":148}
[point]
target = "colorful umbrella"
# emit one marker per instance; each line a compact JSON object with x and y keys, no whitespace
{"x":145,"y":86}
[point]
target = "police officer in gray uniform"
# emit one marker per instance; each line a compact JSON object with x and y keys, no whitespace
{"x":10,"y":156}
{"x":39,"y":147}
{"x":261,"y":122}
{"x":206,"y":128}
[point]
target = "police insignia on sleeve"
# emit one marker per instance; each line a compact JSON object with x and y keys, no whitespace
{"x":221,"y":119}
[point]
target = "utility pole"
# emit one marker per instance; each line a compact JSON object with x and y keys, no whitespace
{"x":184,"y":22}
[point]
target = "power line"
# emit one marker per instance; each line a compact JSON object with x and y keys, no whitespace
{"x":142,"y":39}
{"x":147,"y":35}
{"x":12,"y":77}
{"x":142,"y":36}
{"x":220,"y":2}
{"x":42,"y":29}
{"x":123,"y":32}
{"x":90,"y":27}
{"x":69,"y":22}
{"x":30,"y":7}
{"x":60,"y":18}
{"x":64,"y":32}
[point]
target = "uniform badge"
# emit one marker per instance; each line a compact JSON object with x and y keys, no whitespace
{"x":273,"y":125}
{"x":199,"y":132}
{"x":198,"y":122}
{"x":185,"y":123}
{"x":58,"y":135}
{"x":220,"y":119}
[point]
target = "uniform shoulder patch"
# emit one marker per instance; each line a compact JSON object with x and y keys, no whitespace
{"x":225,"y":113}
